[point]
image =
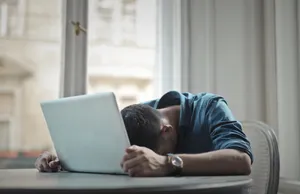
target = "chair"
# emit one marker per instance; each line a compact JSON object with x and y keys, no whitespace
{"x":266,"y":165}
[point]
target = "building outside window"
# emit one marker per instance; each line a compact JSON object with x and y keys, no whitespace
{"x":121,"y":58}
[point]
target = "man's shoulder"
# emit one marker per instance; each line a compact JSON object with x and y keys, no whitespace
{"x":170,"y":96}
{"x":193,"y":96}
{"x":176,"y":96}
{"x":204,"y":97}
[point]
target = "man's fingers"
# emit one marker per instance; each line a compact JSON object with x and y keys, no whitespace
{"x":45,"y":155}
{"x":132,"y":149}
{"x":134,"y":155}
{"x":47,"y":162}
{"x":40,"y":168}
{"x":45,"y":167}
{"x":133,"y":152}
{"x":56,"y":161}
{"x":54,"y":158}
{"x":133,"y":162}
{"x":129,"y":156}
{"x":54,"y":164}
{"x":136,"y":171}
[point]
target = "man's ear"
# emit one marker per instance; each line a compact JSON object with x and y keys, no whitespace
{"x":166,"y":128}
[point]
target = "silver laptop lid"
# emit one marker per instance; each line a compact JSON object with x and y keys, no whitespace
{"x":88,"y":132}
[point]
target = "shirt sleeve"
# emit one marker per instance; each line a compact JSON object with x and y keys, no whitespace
{"x":225,"y":131}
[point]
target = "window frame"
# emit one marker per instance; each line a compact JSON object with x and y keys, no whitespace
{"x":173,"y":45}
{"x":74,"y":49}
{"x":171,"y":33}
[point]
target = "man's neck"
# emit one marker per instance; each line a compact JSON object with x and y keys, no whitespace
{"x":172,"y":115}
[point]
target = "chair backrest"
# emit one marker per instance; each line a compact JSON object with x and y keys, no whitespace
{"x":266,"y":165}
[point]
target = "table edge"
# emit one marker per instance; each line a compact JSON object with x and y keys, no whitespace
{"x":185,"y":187}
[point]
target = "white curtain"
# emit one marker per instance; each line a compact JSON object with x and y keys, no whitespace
{"x":246,"y":51}
{"x":287,"y":66}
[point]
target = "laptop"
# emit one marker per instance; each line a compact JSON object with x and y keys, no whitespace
{"x":88,"y":132}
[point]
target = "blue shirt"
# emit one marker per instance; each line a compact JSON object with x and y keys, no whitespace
{"x":206,"y":123}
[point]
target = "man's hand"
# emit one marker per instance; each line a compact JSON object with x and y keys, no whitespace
{"x":47,"y":162}
{"x":141,"y":162}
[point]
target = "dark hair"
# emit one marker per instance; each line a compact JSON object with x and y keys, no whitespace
{"x":142,"y":123}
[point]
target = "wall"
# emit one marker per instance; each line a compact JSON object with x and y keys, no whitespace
{"x":247,"y":52}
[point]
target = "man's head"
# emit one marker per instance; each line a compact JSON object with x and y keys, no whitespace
{"x":147,"y":127}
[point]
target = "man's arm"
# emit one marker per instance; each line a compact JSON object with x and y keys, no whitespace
{"x":231,"y":155}
{"x":232,"y":152}
{"x":220,"y":162}
{"x":141,"y":161}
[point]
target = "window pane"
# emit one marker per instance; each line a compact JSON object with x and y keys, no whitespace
{"x":30,"y":57}
{"x":121,"y":48}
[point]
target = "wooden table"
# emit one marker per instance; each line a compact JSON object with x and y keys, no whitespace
{"x":31,"y":181}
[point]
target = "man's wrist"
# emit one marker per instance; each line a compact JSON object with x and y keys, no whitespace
{"x":176,"y":164}
{"x":166,"y":166}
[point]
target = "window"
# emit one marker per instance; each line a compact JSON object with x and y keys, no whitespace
{"x":121,"y":58}
{"x":6,"y":112}
{"x":30,"y":63}
{"x":12,"y":15}
{"x":122,"y":48}
{"x":127,"y":100}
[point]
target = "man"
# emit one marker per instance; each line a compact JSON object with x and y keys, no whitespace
{"x":179,"y":134}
